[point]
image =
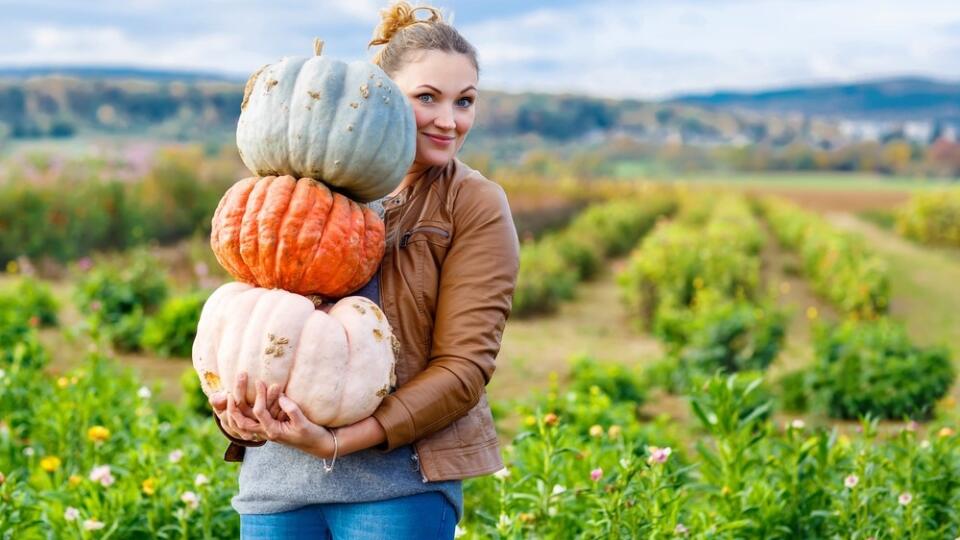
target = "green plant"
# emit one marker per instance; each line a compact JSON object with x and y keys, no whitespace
{"x":171,"y":331}
{"x":872,"y":368}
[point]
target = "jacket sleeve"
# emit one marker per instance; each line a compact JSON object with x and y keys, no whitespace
{"x":477,"y":279}
{"x":237,"y":446}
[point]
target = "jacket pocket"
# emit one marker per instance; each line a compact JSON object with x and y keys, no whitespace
{"x":431,"y":233}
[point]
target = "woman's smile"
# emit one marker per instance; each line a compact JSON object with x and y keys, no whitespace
{"x":440,"y":140}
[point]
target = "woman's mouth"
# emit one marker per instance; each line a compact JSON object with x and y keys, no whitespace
{"x":439,"y":140}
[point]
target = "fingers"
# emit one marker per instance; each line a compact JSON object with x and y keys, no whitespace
{"x":241,"y":422}
{"x":218,"y":402}
{"x":262,"y":414}
{"x":273,"y":394}
{"x":292,"y":409}
{"x":240,"y":392}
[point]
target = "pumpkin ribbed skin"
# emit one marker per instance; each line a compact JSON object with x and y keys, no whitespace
{"x":282,"y":233}
{"x":336,"y":361}
{"x":345,"y":124}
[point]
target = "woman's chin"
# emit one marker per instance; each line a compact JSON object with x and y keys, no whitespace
{"x":434,"y":159}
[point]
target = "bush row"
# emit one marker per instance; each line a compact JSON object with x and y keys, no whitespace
{"x":697,"y":287}
{"x":839,"y":265}
{"x":866,"y":365}
{"x":74,"y":214}
{"x":551,"y":267}
{"x":931,"y":218}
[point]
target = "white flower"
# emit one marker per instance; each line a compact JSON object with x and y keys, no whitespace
{"x":851,"y":481}
{"x":28,"y":451}
{"x":175,"y":456}
{"x":502,"y":474}
{"x":552,"y":511}
{"x":558,"y":489}
{"x":680,"y":529}
{"x":144,"y":392}
{"x":2,"y":373}
{"x":797,"y":424}
{"x":925,"y":444}
{"x":92,"y":525}
{"x":624,"y":462}
{"x":201,"y":480}
{"x":191,"y":499}
{"x":71,"y":514}
{"x":504,"y":521}
{"x":905,"y":498}
{"x":103,"y":475}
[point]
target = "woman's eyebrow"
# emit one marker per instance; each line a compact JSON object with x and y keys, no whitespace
{"x":437,"y":90}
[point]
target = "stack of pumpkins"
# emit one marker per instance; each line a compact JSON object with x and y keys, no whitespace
{"x":321,"y":136}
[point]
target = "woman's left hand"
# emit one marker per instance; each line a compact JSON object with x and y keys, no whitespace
{"x":295,"y":429}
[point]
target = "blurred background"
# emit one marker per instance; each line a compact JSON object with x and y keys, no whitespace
{"x":733,"y":185}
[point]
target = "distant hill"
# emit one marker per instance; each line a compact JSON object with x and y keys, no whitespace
{"x":907,"y":98}
{"x":69,"y":101}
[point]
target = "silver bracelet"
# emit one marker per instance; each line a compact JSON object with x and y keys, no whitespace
{"x":336,"y":450}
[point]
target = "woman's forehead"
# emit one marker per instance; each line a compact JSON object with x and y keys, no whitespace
{"x":449,"y":72}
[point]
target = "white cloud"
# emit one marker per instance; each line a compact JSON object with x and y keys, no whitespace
{"x":653,"y":48}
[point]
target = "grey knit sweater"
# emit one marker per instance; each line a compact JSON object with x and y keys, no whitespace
{"x":278,"y":478}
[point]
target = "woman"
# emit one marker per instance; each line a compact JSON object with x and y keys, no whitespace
{"x":445,"y":283}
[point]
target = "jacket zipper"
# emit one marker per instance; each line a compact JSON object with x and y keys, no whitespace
{"x":405,"y":239}
{"x":416,"y":460}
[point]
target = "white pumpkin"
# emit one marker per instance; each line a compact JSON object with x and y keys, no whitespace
{"x":336,"y":362}
{"x":347,"y":125}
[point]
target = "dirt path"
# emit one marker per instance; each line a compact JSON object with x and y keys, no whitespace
{"x":594,"y":323}
{"x":924,"y":281}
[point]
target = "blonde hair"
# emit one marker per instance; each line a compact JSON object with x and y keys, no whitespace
{"x":401,"y":32}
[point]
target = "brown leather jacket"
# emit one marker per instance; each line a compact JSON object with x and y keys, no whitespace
{"x":446,"y":286}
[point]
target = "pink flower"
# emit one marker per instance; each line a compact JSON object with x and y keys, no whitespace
{"x":905,"y":498}
{"x":191,"y":499}
{"x":851,"y":481}
{"x":658,"y":455}
{"x":596,"y":474}
{"x":680,"y":529}
{"x":103,"y":475}
{"x":85,"y":264}
{"x":71,"y":514}
{"x":95,"y":305}
{"x":175,"y":456}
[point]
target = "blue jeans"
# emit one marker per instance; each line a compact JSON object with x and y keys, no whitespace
{"x":421,"y":516}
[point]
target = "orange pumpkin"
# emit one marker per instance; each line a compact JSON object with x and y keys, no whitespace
{"x":278,"y":232}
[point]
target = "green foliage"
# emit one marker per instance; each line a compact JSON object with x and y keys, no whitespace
{"x":931,"y":218}
{"x":839,"y":266}
{"x":551,"y":268}
{"x":172,"y":330}
{"x":872,"y":368}
{"x":86,"y":209}
{"x":619,"y":382}
{"x":794,"y":390}
{"x":115,"y":300}
{"x":33,"y":299}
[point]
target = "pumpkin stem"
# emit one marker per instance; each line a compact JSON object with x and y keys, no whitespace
{"x":317,"y":46}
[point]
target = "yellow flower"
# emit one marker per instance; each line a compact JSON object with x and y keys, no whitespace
{"x":74,"y":480}
{"x":812,"y":313}
{"x":98,"y":434}
{"x":149,"y":486}
{"x":530,"y":420}
{"x":12,"y":267}
{"x":551,"y":419}
{"x":50,"y":463}
{"x":698,"y":282}
{"x":596,"y":430}
{"x":614,"y":432}
{"x":945,"y":432}
{"x":726,"y":490}
{"x":63,"y":382}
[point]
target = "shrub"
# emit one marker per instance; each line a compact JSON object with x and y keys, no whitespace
{"x":115,"y":300}
{"x":32,"y":299}
{"x":615,"y":380}
{"x":172,"y":330}
{"x":872,"y":368}
{"x":931,"y":218}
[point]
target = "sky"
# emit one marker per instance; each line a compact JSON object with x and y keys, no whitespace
{"x":644,"y":49}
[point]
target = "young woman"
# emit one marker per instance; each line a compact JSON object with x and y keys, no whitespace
{"x":446,"y":284}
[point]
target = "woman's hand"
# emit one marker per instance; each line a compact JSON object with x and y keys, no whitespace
{"x":236,"y":415}
{"x":290,"y":426}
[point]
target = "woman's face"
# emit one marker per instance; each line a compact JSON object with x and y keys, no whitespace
{"x":442,"y":87}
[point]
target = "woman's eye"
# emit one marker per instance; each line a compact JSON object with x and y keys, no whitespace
{"x":465,"y":102}
{"x":425,"y":98}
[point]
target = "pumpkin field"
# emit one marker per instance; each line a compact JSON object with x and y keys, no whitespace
{"x":690,"y":357}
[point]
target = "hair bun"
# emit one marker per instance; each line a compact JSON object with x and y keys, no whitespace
{"x":399,"y":16}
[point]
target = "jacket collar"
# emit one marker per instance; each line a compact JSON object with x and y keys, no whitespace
{"x":423,"y":183}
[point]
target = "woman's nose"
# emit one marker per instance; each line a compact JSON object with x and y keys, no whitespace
{"x":444,"y":120}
